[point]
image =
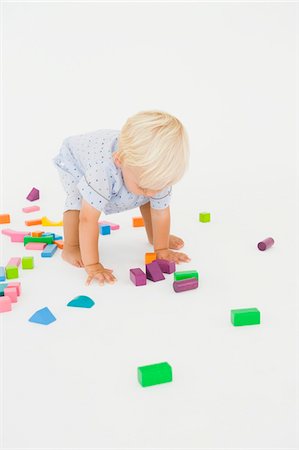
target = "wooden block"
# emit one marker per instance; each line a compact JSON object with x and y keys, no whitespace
{"x":14,"y":262}
{"x":149,"y":257}
{"x":35,"y":245}
{"x":59,"y":244}
{"x":29,"y":209}
{"x":185,"y":284}
{"x":30,"y":223}
{"x":113,"y":226}
{"x":138,"y":277}
{"x":153,"y":272}
{"x":166,"y":266}
{"x":137,"y":222}
{"x":5,"y":304}
{"x":37,"y":233}
{"x":2,"y":274}
{"x":11,"y":272}
{"x":15,"y":284}
{"x":33,"y":195}
{"x":49,"y":251}
{"x":11,"y":292}
{"x":4,"y":218}
{"x":48,"y":223}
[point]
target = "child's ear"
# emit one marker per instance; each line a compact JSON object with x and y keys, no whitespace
{"x":116,"y":160}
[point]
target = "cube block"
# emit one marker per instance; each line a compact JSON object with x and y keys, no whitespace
{"x":11,"y":272}
{"x":16,"y":261}
{"x":4,"y":218}
{"x":149,"y":257}
{"x":105,"y":229}
{"x":49,"y":251}
{"x":204,"y":217}
{"x":5,"y":304}
{"x":137,"y":222}
{"x":185,"y":274}
{"x":166,"y":266}
{"x":37,"y":233}
{"x":17,"y":285}
{"x":245,"y":316}
{"x":153,"y":374}
{"x":27,"y":262}
{"x":153,"y":272}
{"x":137,"y":276}
{"x":11,"y":292}
{"x":185,"y":285}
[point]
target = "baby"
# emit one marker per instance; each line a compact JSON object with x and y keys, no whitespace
{"x":112,"y":171}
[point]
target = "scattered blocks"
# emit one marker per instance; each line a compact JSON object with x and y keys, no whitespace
{"x":11,"y":272}
{"x":137,"y":222}
{"x":149,"y":257}
{"x":45,"y":239}
{"x":33,"y":195}
{"x":2,"y":274}
{"x":17,"y":285}
{"x":27,"y":262}
{"x":12,"y":293}
{"x":204,"y":217}
{"x":48,"y":223}
{"x":43,"y":316}
{"x":105,"y":229}
{"x":82,"y":301}
{"x":265,"y":244}
{"x":4,"y":218}
{"x":166,"y":266}
{"x":153,"y":272}
{"x":137,"y":276}
{"x":49,"y":251}
{"x":16,"y":261}
{"x":113,"y":226}
{"x":185,"y":285}
{"x":5,"y":304}
{"x":154,"y":374}
{"x":185,"y":274}
{"x":35,"y":246}
{"x":245,"y":316}
{"x":31,"y":223}
{"x":29,"y":209}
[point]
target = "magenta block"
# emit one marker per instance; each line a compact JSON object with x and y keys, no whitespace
{"x":265,"y":244}
{"x":15,"y":284}
{"x":14,"y":262}
{"x":12,"y":293}
{"x":153,"y":272}
{"x":137,"y":276}
{"x":185,"y":285}
{"x":33,"y":195}
{"x":166,"y":266}
{"x":35,"y":245}
{"x":5,"y":304}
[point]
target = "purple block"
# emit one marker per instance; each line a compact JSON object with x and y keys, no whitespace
{"x":166,"y":266}
{"x":153,"y":272}
{"x":137,"y":276}
{"x":33,"y":195}
{"x":185,"y":285}
{"x":266,"y":243}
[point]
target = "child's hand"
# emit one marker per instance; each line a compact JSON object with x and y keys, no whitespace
{"x":170,"y":255}
{"x":98,"y":272}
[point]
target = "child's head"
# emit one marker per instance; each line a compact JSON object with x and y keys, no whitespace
{"x":153,"y":152}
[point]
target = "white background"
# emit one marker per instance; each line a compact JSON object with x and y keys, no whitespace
{"x":228,"y":72}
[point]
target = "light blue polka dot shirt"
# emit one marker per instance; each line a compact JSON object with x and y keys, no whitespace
{"x":87,"y":169}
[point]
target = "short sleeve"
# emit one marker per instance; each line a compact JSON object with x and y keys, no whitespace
{"x":162,"y":199}
{"x":95,"y":186}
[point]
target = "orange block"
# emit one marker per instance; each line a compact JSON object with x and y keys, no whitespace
{"x":59,"y":244}
{"x":37,"y":233}
{"x":29,"y":223}
{"x":150,"y":257}
{"x":138,"y":222}
{"x":4,"y":218}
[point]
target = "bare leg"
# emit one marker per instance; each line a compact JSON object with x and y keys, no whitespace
{"x":175,"y":243}
{"x":71,"y":249}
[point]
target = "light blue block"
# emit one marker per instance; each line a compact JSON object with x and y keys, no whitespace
{"x":57,"y":237}
{"x":49,"y":251}
{"x":2,"y":287}
{"x":49,"y":234}
{"x":2,"y":274}
{"x":105,"y":229}
{"x":43,"y":316}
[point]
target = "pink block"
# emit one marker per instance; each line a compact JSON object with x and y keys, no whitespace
{"x":15,"y":284}
{"x":5,"y":304}
{"x":29,"y":209}
{"x":14,"y":262}
{"x":265,"y":244}
{"x":11,"y":292}
{"x":18,"y":236}
{"x":35,"y":245}
{"x":113,"y":226}
{"x":7,"y":231}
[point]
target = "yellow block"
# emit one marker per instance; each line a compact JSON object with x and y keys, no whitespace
{"x":48,"y":223}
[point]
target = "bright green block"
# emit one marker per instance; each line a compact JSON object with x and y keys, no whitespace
{"x":45,"y":239}
{"x":11,"y":272}
{"x":246,"y":316}
{"x":154,"y":374}
{"x":204,"y":217}
{"x":185,"y":274}
{"x":27,"y":262}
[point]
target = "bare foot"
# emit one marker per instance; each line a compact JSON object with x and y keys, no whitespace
{"x":175,"y":243}
{"x":72,"y":255}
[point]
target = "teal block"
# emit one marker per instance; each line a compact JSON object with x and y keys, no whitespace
{"x":154,"y":374}
{"x":245,"y":316}
{"x":2,"y":287}
{"x":82,"y":301}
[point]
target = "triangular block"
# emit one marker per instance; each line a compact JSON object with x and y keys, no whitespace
{"x":82,"y":301}
{"x":43,"y":316}
{"x":33,"y":195}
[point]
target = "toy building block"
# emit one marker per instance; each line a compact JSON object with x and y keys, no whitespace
{"x":4,"y":218}
{"x":137,"y":222}
{"x":57,"y":237}
{"x":154,"y":374}
{"x":2,"y":274}
{"x":11,"y":292}
{"x":16,"y":261}
{"x":245,"y":316}
{"x":31,"y":223}
{"x":137,"y":276}
{"x":153,"y":272}
{"x":49,"y":234}
{"x":33,"y":195}
{"x":59,"y":244}
{"x":7,"y":231}
{"x":27,"y":262}
{"x":45,"y":239}
{"x":82,"y":301}
{"x":11,"y":272}
{"x":5,"y":304}
{"x":29,"y":209}
{"x":105,"y":229}
{"x":265,"y":244}
{"x":185,"y":285}
{"x":35,"y":245}
{"x":18,"y":236}
{"x":37,"y":233}
{"x":166,"y":266}
{"x":113,"y":226}
{"x":48,"y":223}
{"x":2,"y":287}
{"x":49,"y":251}
{"x":15,"y":284}
{"x":43,"y":316}
{"x":149,"y":257}
{"x":185,"y":274}
{"x":204,"y":217}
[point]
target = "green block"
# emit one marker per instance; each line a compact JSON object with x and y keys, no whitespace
{"x":154,"y":374}
{"x":204,"y":217}
{"x":185,"y":274}
{"x":27,"y":262}
{"x":245,"y":316}
{"x":11,"y":272}
{"x":45,"y":239}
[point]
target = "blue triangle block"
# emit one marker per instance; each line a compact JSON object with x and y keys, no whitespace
{"x":82,"y":301}
{"x":43,"y":316}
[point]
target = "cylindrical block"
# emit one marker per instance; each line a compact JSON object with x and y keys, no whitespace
{"x":266,"y":243}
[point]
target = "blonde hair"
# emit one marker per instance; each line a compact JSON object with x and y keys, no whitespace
{"x":157,"y":143}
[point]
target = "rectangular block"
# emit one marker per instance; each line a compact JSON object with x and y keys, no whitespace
{"x":35,"y":246}
{"x":154,"y":374}
{"x":153,"y":272}
{"x":245,"y":316}
{"x":2,"y":274}
{"x":29,"y":209}
{"x":112,"y":225}
{"x":138,"y":277}
{"x":18,"y":236}
{"x":49,"y":223}
{"x":185,"y":274}
{"x":105,"y":229}
{"x":166,"y":266}
{"x":5,"y":304}
{"x":31,"y":223}
{"x":149,"y":257}
{"x":204,"y":217}
{"x":2,"y":287}
{"x":185,"y":285}
{"x":11,"y":292}
{"x":49,"y":251}
{"x":137,"y":222}
{"x":27,"y":262}
{"x":49,"y":234}
{"x":7,"y":231}
{"x":37,"y":233}
{"x":45,"y":239}
{"x":17,"y":285}
{"x":59,"y":244}
{"x":4,"y":218}
{"x":15,"y":261}
{"x":11,"y":272}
